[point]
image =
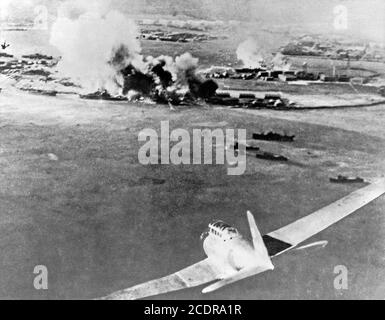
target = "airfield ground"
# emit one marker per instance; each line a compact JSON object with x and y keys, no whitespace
{"x":102,"y":222}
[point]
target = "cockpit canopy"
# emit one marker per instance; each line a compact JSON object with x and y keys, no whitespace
{"x":223,"y":230}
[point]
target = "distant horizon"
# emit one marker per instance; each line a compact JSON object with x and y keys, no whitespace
{"x":365,"y":18}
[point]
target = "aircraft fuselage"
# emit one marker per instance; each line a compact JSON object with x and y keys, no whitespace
{"x":229,"y":255}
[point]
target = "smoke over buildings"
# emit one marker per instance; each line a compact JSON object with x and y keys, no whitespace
{"x":253,"y":55}
{"x":250,"y":53}
{"x":95,"y":44}
{"x":100,"y":49}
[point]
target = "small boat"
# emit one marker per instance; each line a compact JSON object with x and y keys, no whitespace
{"x":102,"y":95}
{"x":272,"y":136}
{"x":344,"y":179}
{"x":271,"y":156}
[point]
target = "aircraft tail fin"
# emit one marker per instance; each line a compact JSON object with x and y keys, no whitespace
{"x":258,"y":243}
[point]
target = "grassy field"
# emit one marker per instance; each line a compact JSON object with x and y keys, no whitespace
{"x":357,"y":68}
{"x":101,"y":222}
{"x":217,"y":52}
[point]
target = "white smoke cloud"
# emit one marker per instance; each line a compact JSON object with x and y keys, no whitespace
{"x":88,"y":36}
{"x":181,"y":67}
{"x":254,"y":55}
{"x":186,"y":61}
{"x":250,"y":53}
{"x":185,"y":66}
{"x":97,"y":43}
{"x":280,"y":62}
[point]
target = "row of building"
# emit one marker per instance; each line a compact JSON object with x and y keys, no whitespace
{"x":280,"y":75}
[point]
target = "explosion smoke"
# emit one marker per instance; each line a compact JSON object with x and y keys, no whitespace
{"x":166,"y":76}
{"x":187,"y":70}
{"x":280,"y":62}
{"x":250,"y":54}
{"x":95,"y":45}
{"x":100,"y":49}
{"x":253,"y":56}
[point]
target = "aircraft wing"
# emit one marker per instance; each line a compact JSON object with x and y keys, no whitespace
{"x":293,"y":234}
{"x":243,"y":274}
{"x":193,"y":276}
{"x":276,"y":243}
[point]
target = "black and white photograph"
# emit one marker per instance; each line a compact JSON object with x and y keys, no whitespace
{"x":192,"y":150}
